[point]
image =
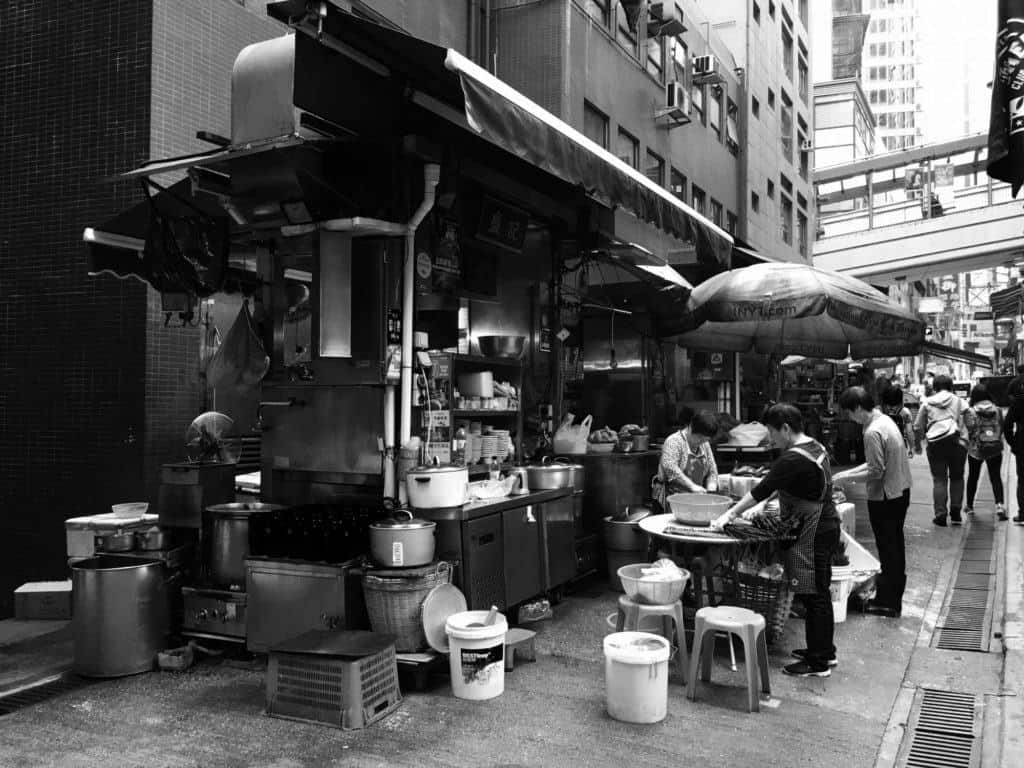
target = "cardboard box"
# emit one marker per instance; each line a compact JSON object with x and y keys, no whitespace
{"x":43,"y":600}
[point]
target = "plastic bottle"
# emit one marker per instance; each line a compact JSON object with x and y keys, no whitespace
{"x":495,"y":471}
{"x":459,"y":447}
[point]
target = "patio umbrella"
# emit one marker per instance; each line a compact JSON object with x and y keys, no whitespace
{"x":796,"y":309}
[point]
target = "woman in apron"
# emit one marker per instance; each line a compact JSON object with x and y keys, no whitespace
{"x":802,"y":477}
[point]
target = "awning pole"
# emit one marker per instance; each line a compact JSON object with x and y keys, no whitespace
{"x":431,"y":175}
{"x":737,"y":406}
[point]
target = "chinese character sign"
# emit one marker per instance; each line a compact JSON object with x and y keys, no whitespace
{"x":1006,"y":121}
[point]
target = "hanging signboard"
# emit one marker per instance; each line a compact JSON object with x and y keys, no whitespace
{"x":502,"y":225}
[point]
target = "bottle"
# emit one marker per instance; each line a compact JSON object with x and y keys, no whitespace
{"x":459,"y":447}
{"x":495,"y":472}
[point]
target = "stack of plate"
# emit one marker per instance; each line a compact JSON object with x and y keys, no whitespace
{"x":489,"y":447}
{"x":503,"y":443}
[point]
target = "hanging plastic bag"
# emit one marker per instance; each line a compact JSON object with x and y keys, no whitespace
{"x":751,"y":434}
{"x":572,"y":438}
{"x":241,"y":361}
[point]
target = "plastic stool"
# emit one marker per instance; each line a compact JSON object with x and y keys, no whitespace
{"x":750,"y":628}
{"x":519,"y":645}
{"x":632,"y":614}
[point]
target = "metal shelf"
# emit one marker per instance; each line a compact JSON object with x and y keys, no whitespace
{"x":482,"y":412}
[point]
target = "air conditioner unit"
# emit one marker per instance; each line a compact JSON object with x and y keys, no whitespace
{"x":677,"y":101}
{"x":705,"y":68}
{"x":666,"y":20}
{"x":806,"y":145}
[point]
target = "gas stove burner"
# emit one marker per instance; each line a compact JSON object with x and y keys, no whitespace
{"x":218,"y":614}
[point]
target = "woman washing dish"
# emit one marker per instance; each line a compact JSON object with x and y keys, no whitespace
{"x":802,"y":477}
{"x":687,"y":462}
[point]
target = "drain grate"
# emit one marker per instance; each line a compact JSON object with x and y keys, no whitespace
{"x":28,"y":697}
{"x":943,"y":735}
{"x":965,"y":624}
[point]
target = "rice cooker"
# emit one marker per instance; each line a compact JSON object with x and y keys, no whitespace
{"x":437,"y":486}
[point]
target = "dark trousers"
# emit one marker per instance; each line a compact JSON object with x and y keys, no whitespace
{"x":946,"y":461}
{"x":994,"y":464}
{"x":819,"y":623}
{"x":887,"y":519}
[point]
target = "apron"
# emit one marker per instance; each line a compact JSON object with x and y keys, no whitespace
{"x":799,"y":558}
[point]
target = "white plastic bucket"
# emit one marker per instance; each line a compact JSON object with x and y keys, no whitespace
{"x":636,"y":676}
{"x":476,"y":655}
{"x":839,"y":589}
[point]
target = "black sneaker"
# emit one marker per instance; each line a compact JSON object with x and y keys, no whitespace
{"x":955,"y":520}
{"x":803,"y":669}
{"x":801,"y":653}
{"x":940,"y":520}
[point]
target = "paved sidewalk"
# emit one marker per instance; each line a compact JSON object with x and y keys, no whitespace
{"x":553,"y":711}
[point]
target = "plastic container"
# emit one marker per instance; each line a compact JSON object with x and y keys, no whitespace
{"x":697,"y":508}
{"x":839,"y":589}
{"x":636,"y":676}
{"x":476,"y":655}
{"x":650,"y":592}
{"x":847,"y":512}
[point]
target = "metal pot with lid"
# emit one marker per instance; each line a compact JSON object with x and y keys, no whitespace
{"x":402,"y":542}
{"x":437,"y":486}
{"x":560,"y":473}
{"x":229,"y":540}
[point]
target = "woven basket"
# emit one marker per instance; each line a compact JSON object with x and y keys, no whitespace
{"x":771,"y":598}
{"x":394,"y":601}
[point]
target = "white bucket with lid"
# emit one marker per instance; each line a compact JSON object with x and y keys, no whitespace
{"x":476,"y":655}
{"x":636,"y":676}
{"x":839,"y":589}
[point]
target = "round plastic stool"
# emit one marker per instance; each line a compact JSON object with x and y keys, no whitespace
{"x":748,"y":627}
{"x":632,"y":614}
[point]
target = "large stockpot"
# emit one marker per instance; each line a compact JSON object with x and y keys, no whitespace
{"x":437,"y":486}
{"x":118,"y":616}
{"x":558,"y":474}
{"x":229,"y":540}
{"x":402,"y":543}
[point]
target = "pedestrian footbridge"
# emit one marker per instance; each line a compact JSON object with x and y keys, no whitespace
{"x":874,"y":222}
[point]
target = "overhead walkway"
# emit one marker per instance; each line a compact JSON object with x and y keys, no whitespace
{"x":871,"y":226}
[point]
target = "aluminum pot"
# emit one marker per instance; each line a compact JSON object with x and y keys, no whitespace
{"x":501,"y":346}
{"x":437,"y":486}
{"x":115,"y":542}
{"x":558,"y":474}
{"x":402,"y":543}
{"x":152,"y":539}
{"x":229,"y":540}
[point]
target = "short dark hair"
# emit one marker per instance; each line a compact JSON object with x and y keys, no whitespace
{"x":942,"y":381}
{"x":856,"y":397}
{"x":784,"y":413}
{"x":704,"y":423}
{"x":979,"y":393}
{"x":892,"y":396}
{"x":684,"y":416}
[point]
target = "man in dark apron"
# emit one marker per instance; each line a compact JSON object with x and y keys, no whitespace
{"x":802,"y":477}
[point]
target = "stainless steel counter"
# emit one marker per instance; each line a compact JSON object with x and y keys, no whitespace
{"x":478,"y":509}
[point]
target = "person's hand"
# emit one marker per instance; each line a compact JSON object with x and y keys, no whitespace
{"x":838,"y":477}
{"x":698,"y":489}
{"x":721,"y":521}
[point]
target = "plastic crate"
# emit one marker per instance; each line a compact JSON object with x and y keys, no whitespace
{"x":343,"y":679}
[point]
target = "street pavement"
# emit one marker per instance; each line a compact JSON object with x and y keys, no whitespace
{"x":553,"y":711}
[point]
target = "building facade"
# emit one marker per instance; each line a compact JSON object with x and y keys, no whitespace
{"x":892,"y":72}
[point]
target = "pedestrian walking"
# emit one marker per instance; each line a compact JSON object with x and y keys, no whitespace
{"x":887,"y":471}
{"x":802,"y":476}
{"x":940,"y":422}
{"x":1014,"y":428}
{"x":984,"y":422}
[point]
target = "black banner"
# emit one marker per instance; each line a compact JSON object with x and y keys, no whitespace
{"x":1006,"y":121}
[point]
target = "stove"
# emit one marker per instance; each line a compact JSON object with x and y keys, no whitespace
{"x":217,"y":614}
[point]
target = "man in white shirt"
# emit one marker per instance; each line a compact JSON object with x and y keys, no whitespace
{"x":887,"y":471}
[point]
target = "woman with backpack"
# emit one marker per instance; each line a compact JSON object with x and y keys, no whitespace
{"x":940,"y":421}
{"x":984,"y":422}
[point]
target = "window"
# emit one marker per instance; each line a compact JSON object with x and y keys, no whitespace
{"x":771,"y":9}
{"x":656,"y":57}
{"x":715,"y":110}
{"x":680,"y":56}
{"x":732,"y":132}
{"x":755,"y":106}
{"x":787,"y":185}
{"x":755,"y":202}
{"x":627,"y":39}
{"x":716,"y":212}
{"x":655,"y":168}
{"x":628,"y":149}
{"x":677,"y":184}
{"x":757,"y":13}
{"x":697,"y":102}
{"x":771,"y":189}
{"x":786,"y":219}
{"x":804,"y":158}
{"x":698,"y":199}
{"x":771,"y":99}
{"x":801,"y":201}
{"x":786,"y":127}
{"x":595,"y":125}
{"x":787,"y":52}
{"x":801,"y":234}
{"x":731,"y":222}
{"x":598,"y":10}
{"x":802,"y":11}
{"x":801,"y":67}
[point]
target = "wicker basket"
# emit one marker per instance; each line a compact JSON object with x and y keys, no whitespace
{"x":394,"y":601}
{"x":771,"y":598}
